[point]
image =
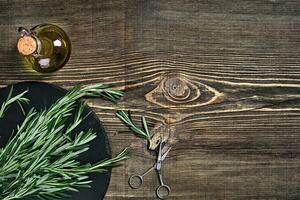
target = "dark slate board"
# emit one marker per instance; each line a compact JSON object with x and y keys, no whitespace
{"x":43,"y":95}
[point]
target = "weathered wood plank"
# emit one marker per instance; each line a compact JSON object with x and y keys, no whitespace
{"x":224,"y":75}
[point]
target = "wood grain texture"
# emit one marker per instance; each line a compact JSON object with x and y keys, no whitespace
{"x":224,"y":76}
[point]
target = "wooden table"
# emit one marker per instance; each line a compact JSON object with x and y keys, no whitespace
{"x":222,"y":76}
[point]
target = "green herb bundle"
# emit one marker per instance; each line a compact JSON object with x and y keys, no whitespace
{"x":40,"y":160}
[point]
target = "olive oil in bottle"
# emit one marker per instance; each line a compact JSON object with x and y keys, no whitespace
{"x":45,"y":47}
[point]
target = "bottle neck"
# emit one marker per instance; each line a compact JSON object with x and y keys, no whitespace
{"x":27,"y":44}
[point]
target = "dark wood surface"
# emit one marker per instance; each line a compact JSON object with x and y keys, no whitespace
{"x":222,"y":76}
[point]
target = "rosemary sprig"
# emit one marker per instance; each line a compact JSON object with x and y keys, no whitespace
{"x":127,"y":119}
{"x":40,"y":160}
{"x":10,"y":100}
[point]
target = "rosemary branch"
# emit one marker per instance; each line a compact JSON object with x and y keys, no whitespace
{"x":10,"y":100}
{"x":127,"y":119}
{"x":40,"y":160}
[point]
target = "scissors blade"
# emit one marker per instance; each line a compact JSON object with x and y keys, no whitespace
{"x":158,"y":161}
{"x":159,"y":151}
{"x":165,"y":154}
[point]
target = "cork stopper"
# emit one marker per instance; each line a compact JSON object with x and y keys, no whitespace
{"x":27,"y":45}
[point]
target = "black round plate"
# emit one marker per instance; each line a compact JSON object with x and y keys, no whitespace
{"x":43,"y":95}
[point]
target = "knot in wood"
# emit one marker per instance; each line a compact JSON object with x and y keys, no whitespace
{"x":177,"y":88}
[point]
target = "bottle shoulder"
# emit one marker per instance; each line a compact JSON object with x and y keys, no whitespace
{"x":49,"y":30}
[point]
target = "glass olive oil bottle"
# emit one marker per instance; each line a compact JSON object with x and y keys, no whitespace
{"x":45,"y":47}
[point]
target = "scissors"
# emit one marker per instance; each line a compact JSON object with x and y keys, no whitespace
{"x":136,"y":181}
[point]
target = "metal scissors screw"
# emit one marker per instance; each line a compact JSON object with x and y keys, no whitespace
{"x":136,"y":181}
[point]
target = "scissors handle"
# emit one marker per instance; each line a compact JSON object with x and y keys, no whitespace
{"x":135,"y":181}
{"x":163,"y":191}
